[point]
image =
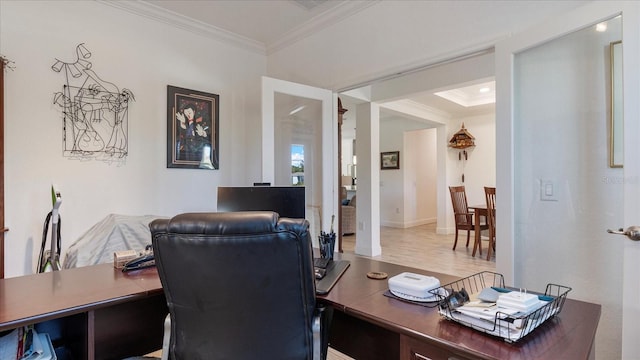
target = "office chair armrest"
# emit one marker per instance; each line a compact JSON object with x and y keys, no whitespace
{"x":321,"y":324}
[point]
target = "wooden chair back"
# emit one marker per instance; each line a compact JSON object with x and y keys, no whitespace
{"x":460,"y":206}
{"x":490,"y":196}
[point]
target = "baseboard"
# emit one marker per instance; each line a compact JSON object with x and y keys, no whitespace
{"x":408,"y":224}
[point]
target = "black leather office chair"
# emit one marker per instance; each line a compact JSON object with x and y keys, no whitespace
{"x":239,"y":285}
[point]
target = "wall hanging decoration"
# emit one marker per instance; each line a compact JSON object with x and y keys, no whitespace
{"x":192,"y":129}
{"x":461,"y":141}
{"x":94,"y":111}
{"x":390,"y":160}
{"x":7,"y":64}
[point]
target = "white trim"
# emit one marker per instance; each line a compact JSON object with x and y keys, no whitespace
{"x":329,"y":136}
{"x":417,"y":111}
{"x":153,"y":12}
{"x":328,"y":18}
{"x":631,"y":265}
{"x":322,"y":21}
{"x":408,"y":224}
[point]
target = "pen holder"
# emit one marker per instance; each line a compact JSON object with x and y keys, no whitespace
{"x":327,"y":244}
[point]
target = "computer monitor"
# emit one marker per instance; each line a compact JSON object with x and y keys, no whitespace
{"x":288,"y":201}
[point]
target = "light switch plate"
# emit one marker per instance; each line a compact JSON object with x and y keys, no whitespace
{"x":548,"y":190}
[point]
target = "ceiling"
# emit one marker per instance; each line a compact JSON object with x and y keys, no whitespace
{"x":268,"y":22}
{"x":274,"y":23}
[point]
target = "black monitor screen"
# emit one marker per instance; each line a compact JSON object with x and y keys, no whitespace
{"x":288,"y":201}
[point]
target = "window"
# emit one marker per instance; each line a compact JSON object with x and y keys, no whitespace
{"x":297,"y":165}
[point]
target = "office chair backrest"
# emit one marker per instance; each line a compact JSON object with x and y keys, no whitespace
{"x":239,"y":285}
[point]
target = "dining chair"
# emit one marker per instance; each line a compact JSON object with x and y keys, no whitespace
{"x":490,"y":196}
{"x":463,"y":217}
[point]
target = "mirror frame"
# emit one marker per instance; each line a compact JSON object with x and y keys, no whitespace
{"x":616,"y":132}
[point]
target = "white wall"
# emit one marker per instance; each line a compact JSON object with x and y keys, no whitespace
{"x":407,"y":34}
{"x":421,"y":175}
{"x":392,"y":188}
{"x":407,"y":195}
{"x":134,"y":53}
{"x":480,"y":167}
{"x":392,"y":36}
{"x":563,"y":98}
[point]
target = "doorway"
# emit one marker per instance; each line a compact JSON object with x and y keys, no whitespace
{"x":407,"y":105}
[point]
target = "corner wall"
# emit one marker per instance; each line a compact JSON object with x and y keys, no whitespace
{"x":143,"y":56}
{"x":408,"y":194}
{"x":480,"y":167}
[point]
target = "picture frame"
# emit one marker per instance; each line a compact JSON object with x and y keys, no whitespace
{"x":390,"y":160}
{"x":616,"y":132}
{"x":192,"y":129}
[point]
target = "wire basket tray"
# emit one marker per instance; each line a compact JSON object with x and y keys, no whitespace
{"x":458,"y":302}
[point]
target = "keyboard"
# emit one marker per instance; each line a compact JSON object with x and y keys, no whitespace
{"x":321,"y":263}
{"x":334,"y":271}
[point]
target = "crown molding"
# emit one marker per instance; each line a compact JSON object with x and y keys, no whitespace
{"x":153,"y":12}
{"x":330,"y":17}
{"x":417,"y":110}
{"x":463,"y":98}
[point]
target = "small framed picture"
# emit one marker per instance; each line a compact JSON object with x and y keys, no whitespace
{"x":192,"y":129}
{"x":390,"y":160}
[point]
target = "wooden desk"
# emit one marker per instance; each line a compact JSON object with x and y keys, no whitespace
{"x":369,"y":325}
{"x":478,"y":211}
{"x":94,"y":312}
{"x":97,"y":312}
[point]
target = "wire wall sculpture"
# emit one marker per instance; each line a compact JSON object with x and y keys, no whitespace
{"x":94,"y":111}
{"x":8,"y":64}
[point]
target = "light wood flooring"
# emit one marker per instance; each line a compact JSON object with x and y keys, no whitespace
{"x":420,"y":247}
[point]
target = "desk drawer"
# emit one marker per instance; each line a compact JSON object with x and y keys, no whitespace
{"x":360,"y":339}
{"x":413,"y":349}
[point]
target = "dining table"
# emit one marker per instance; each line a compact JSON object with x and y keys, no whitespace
{"x":478,"y":212}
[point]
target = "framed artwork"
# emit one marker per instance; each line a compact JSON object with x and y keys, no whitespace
{"x":192,"y":129}
{"x":390,"y":160}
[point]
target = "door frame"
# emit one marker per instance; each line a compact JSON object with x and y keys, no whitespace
{"x":270,"y":86}
{"x":2,"y":227}
{"x":505,"y":52}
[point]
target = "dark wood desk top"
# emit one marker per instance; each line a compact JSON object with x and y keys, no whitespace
{"x":34,"y":298}
{"x":569,"y":335}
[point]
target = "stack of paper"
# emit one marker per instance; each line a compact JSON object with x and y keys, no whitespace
{"x":26,"y":344}
{"x":507,"y":317}
{"x":521,"y":301}
{"x":39,"y":347}
{"x":9,"y":345}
